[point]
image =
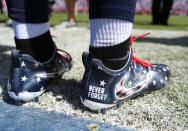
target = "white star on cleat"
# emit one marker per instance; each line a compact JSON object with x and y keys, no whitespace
{"x":166,"y":78}
{"x":99,"y":68}
{"x":42,"y":88}
{"x":102,"y":83}
{"x":129,"y":68}
{"x":154,"y":82}
{"x":161,"y":81}
{"x":130,"y":83}
{"x":24,"y":78}
{"x":36,"y":65}
{"x":23,"y":64}
{"x":144,"y":71}
{"x":38,"y":79}
{"x":135,"y":66}
{"x":164,"y":69}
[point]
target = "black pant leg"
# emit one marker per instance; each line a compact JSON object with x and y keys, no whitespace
{"x":115,"y":9}
{"x":167,"y":5}
{"x":156,"y":11}
{"x":28,"y":11}
{"x":1,"y":7}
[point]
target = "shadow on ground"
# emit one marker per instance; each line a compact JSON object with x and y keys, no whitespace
{"x":179,"y":41}
{"x":68,"y":89}
{"x":4,"y":68}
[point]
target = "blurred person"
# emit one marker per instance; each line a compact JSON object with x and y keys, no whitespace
{"x":1,"y":7}
{"x":71,"y":18}
{"x":50,"y":4}
{"x":161,"y":11}
{"x":113,"y":74}
{"x":71,"y":12}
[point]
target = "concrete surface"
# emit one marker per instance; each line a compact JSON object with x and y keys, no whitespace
{"x":29,"y":119}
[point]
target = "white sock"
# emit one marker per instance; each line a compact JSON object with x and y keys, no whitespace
{"x":27,"y":30}
{"x":109,"y":32}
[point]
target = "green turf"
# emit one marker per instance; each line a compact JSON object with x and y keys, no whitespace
{"x":175,"y":23}
{"x":3,"y":18}
{"x":141,"y":21}
{"x":57,"y":18}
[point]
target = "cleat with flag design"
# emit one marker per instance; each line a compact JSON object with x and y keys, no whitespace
{"x":104,"y":88}
{"x":29,"y":78}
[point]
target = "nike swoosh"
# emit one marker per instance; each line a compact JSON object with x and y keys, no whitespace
{"x":122,"y":92}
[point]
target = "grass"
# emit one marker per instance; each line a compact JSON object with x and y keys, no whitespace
{"x":57,"y":18}
{"x":3,"y":18}
{"x":141,"y":21}
{"x":175,"y":23}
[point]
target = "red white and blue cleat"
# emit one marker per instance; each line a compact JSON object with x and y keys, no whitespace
{"x":29,"y":78}
{"x":104,"y":88}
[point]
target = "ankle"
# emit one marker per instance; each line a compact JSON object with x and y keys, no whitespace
{"x":41,"y":48}
{"x":113,"y":57}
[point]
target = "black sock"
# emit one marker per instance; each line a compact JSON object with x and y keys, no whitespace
{"x":113,"y":57}
{"x":41,"y":48}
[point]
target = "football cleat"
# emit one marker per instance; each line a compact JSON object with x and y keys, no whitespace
{"x":29,"y":78}
{"x":104,"y":88}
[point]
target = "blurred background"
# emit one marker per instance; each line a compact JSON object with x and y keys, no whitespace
{"x":147,"y":11}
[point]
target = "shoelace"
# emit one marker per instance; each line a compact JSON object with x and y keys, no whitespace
{"x":136,"y":59}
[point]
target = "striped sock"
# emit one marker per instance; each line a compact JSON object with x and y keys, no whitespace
{"x":110,"y":41}
{"x":34,"y":39}
{"x":27,"y":30}
{"x":109,"y":32}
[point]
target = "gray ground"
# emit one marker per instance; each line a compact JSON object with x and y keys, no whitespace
{"x":13,"y":118}
{"x":163,"y":110}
